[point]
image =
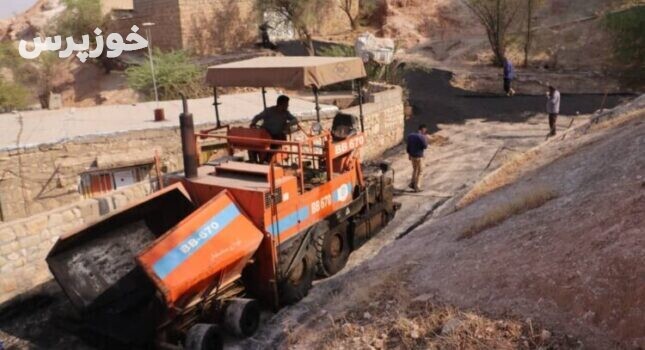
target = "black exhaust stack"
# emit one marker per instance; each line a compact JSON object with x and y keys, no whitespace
{"x":188,"y":141}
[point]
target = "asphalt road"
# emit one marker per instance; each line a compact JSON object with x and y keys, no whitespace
{"x":435,"y":101}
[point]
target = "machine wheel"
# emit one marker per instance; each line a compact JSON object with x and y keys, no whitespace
{"x":296,"y":285}
{"x":203,"y":336}
{"x":332,"y":252}
{"x":242,"y":316}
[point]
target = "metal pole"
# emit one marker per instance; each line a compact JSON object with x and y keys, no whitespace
{"x":152,"y":65}
{"x":360,"y":104}
{"x":216,"y":104}
{"x":264,"y":97}
{"x":188,"y":140}
{"x":317,"y":104}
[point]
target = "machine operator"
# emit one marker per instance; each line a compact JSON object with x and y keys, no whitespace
{"x":276,"y":120}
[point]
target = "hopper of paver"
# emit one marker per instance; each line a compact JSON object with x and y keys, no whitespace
{"x":207,"y":250}
{"x":96,"y":265}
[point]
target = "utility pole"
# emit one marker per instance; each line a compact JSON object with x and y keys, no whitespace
{"x":148,"y":25}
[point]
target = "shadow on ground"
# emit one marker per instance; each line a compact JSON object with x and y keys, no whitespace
{"x":36,"y":320}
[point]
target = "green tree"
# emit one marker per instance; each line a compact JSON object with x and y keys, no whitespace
{"x":175,"y":73}
{"x":496,"y":16}
{"x":13,"y":96}
{"x":79,"y":18}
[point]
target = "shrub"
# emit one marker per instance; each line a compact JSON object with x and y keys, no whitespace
{"x":80,"y":17}
{"x":175,"y":73}
{"x":13,"y":96}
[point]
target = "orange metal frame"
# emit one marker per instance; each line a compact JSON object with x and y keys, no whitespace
{"x":299,"y":208}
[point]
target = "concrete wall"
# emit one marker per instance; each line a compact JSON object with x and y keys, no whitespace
{"x":24,"y":243}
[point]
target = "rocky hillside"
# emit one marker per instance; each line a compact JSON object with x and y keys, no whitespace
{"x":568,"y":34}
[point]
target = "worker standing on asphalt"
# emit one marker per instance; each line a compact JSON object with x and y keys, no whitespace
{"x":509,"y":75}
{"x":552,"y":107}
{"x":417,"y":143}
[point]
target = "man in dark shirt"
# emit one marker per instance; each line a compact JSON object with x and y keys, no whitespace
{"x":277,"y":119}
{"x":417,"y":143}
{"x":509,"y":75}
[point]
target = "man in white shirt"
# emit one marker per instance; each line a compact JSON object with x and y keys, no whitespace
{"x":552,"y":107}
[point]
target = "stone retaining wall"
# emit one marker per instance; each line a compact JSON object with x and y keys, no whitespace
{"x":54,"y":170}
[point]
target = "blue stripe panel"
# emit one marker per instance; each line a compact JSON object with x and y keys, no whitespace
{"x":289,"y":221}
{"x":175,"y":257}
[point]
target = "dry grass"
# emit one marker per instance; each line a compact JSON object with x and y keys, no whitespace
{"x":508,"y":173}
{"x":392,"y":319}
{"x":606,"y":123}
{"x":523,"y":202}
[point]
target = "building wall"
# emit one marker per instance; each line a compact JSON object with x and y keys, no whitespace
{"x":216,"y":26}
{"x":119,"y":5}
{"x":24,"y":243}
{"x":166,"y":34}
{"x":203,"y":26}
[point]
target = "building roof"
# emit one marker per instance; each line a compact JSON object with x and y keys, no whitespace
{"x":122,"y":5}
{"x":33,"y":128}
{"x":287,"y":72}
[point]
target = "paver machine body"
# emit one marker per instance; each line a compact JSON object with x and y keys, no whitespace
{"x":199,"y":256}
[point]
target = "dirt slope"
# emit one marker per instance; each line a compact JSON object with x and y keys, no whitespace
{"x":573,"y":265}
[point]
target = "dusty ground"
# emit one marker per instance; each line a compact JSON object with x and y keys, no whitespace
{"x":569,"y":270}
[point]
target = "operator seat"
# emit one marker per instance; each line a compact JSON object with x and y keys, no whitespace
{"x":343,"y":126}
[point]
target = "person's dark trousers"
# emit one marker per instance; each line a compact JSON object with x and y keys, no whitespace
{"x":274,"y":146}
{"x":508,"y":85}
{"x":552,"y":119}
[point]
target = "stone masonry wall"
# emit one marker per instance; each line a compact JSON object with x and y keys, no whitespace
{"x":166,"y":34}
{"x":216,"y":26}
{"x":24,"y":243}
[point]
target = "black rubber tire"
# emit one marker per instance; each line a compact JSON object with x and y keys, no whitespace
{"x":203,"y":336}
{"x":332,"y":251}
{"x":294,"y":287}
{"x":242,"y":317}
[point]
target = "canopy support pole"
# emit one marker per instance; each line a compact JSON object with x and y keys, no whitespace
{"x":264,"y":97}
{"x":360,"y":104}
{"x":216,"y":104}
{"x":317,"y":104}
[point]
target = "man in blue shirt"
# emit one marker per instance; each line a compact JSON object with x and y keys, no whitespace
{"x":509,"y":75}
{"x":417,"y":143}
